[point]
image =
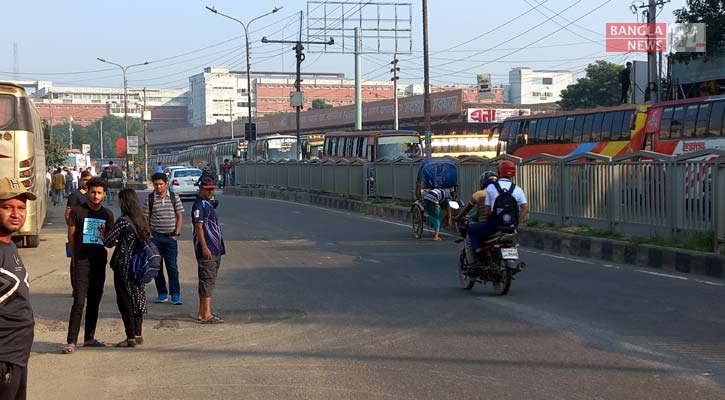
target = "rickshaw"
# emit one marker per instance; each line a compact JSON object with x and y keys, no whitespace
{"x":434,"y":173}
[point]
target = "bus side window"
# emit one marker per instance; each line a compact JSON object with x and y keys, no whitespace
{"x":626,"y":126}
{"x":703,"y":116}
{"x":597,"y":127}
{"x":665,"y":123}
{"x":533,"y":128}
{"x":371,"y":152}
{"x":716,"y":118}
{"x":617,"y":125}
{"x":526,"y":136}
{"x":578,"y":127}
{"x":568,"y":129}
{"x":542,"y":130}
{"x":606,"y":126}
{"x":587,"y":129}
{"x":678,"y":122}
{"x":690,"y":119}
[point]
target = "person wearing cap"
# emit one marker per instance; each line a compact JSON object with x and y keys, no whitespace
{"x":208,"y":248}
{"x":16,"y":313}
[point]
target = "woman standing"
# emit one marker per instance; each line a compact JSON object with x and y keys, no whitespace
{"x":128,"y":232}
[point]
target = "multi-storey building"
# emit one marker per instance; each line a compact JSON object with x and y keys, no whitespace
{"x":528,"y":86}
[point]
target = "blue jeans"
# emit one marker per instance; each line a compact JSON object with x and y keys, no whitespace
{"x":169,"y":250}
{"x":479,"y":231}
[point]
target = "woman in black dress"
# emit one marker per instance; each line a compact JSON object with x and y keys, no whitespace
{"x":128,"y":234}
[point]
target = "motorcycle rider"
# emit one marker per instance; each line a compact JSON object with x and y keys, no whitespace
{"x":506,"y":171}
{"x":477,"y":200}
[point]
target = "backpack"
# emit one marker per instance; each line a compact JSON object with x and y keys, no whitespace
{"x":505,"y":208}
{"x":116,"y":173}
{"x":151,"y":201}
{"x":146,"y":260}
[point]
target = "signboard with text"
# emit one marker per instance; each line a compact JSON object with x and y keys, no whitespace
{"x":132,"y":145}
{"x":627,"y":37}
{"x":488,"y":115}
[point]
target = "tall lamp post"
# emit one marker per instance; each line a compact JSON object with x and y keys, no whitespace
{"x":250,"y":145}
{"x":125,"y":98}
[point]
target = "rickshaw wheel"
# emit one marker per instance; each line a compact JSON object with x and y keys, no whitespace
{"x":416,"y":217}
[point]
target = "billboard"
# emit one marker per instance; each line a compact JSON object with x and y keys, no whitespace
{"x":489,"y":115}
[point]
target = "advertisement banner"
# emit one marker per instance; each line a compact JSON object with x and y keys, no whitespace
{"x":489,"y":115}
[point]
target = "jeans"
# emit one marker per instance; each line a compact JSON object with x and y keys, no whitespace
{"x":87,"y":278}
{"x":58,"y":196}
{"x":479,"y":231}
{"x":169,"y":250}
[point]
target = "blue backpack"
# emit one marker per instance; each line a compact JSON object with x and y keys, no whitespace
{"x":146,"y":261}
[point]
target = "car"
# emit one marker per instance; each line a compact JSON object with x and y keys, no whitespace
{"x":182,"y":181}
{"x":169,"y":170}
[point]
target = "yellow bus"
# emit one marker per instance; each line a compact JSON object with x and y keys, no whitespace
{"x":455,"y":145}
{"x":22,"y":156}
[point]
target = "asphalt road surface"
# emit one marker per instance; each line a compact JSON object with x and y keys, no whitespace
{"x":321,"y":304}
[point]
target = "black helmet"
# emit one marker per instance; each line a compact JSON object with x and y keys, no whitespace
{"x":487,"y":178}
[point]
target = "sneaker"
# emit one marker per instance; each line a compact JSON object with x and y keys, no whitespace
{"x":162,"y":298}
{"x":176,"y":299}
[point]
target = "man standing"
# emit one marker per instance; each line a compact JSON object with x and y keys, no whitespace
{"x":208,"y":247}
{"x":165,"y":215}
{"x":16,"y":314}
{"x":88,"y":224}
{"x":78,"y":196}
{"x":159,"y":169}
{"x":58,"y":186}
{"x":625,"y":78}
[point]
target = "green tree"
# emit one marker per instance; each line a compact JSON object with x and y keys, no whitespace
{"x":600,"y":87}
{"x":55,"y":154}
{"x":319,"y":104}
{"x":712,"y":14}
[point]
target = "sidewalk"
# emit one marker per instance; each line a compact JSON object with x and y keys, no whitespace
{"x":610,"y":250}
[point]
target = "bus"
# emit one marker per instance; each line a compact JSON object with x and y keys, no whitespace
{"x":455,"y":145}
{"x":275,"y":147}
{"x":22,"y":156}
{"x":683,"y":126}
{"x":609,"y":131}
{"x":371,"y":145}
{"x":312,"y":146}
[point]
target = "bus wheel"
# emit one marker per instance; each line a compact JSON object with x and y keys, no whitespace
{"x":32,"y":241}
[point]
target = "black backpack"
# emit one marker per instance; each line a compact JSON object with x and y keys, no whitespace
{"x":151,"y":202}
{"x":505,"y":208}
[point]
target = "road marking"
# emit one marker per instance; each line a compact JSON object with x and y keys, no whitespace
{"x":709,"y":283}
{"x":611,"y":266}
{"x":682,"y":278}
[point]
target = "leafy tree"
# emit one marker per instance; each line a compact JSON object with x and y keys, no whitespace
{"x":710,"y":12}
{"x":319,"y":104}
{"x":112,"y":131}
{"x":600,"y":87}
{"x":55,"y":154}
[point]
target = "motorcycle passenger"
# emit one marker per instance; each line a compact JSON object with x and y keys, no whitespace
{"x":496,"y":216}
{"x":477,"y":200}
{"x":435,"y":201}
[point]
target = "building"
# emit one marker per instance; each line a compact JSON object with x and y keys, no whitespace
{"x":528,"y":86}
{"x":218,"y":93}
{"x":56,"y":104}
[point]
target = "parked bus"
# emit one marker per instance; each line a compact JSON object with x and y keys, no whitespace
{"x":312,"y":146}
{"x":608,"y":131}
{"x":683,"y":126}
{"x":22,"y":155}
{"x":464,"y":145}
{"x":275,"y":147}
{"x":372,"y":145}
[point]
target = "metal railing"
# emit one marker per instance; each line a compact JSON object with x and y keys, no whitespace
{"x":638,"y":193}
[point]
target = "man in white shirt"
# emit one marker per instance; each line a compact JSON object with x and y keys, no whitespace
{"x":76,"y":177}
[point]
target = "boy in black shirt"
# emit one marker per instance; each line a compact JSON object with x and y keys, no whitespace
{"x":16,"y":314}
{"x":87,"y":226}
{"x":79,"y":196}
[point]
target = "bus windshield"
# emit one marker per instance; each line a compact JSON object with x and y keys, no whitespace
{"x":396,"y":146}
{"x":281,"y":149}
{"x":6,"y":110}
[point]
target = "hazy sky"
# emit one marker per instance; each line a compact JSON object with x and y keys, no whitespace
{"x":62,"y":38}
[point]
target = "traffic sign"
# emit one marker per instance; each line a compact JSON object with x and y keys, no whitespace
{"x":86,"y":148}
{"x":250,"y":131}
{"x":132,"y":145}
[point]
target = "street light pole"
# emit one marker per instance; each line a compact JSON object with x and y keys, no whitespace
{"x":250,"y":145}
{"x":125,"y":98}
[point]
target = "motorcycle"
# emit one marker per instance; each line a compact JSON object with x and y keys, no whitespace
{"x":500,"y":261}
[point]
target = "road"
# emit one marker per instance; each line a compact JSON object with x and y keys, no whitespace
{"x":322,"y":304}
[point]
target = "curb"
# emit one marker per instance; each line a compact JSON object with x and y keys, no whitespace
{"x":616,"y":251}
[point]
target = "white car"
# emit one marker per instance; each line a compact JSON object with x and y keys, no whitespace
{"x":183,"y":181}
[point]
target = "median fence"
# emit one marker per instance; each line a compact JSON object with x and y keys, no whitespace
{"x":640,"y":193}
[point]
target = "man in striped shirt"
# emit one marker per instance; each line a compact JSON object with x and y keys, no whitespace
{"x":165,"y":215}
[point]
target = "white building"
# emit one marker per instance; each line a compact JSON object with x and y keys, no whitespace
{"x":215,"y":94}
{"x":528,"y":86}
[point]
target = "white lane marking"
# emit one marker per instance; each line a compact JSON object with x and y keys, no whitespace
{"x":611,"y":266}
{"x":709,"y":283}
{"x":570,"y":259}
{"x":682,"y":278}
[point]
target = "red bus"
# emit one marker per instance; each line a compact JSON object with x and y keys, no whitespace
{"x":608,"y":131}
{"x":371,"y":145}
{"x":683,"y":126}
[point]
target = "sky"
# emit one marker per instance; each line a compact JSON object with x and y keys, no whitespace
{"x":60,"y":40}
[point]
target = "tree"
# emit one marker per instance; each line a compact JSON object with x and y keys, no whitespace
{"x":319,"y":104}
{"x":712,"y":14}
{"x":600,"y":87}
{"x":55,"y":154}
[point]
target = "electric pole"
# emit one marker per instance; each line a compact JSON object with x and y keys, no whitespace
{"x":654,"y":85}
{"x":395,"y":78}
{"x":145,"y":140}
{"x":426,"y":82}
{"x":231,"y":117}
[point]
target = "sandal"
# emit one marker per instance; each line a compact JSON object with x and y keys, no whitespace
{"x":94,"y":343}
{"x":127,"y":343}
{"x":139,"y":339}
{"x":69,"y":348}
{"x":213,"y":320}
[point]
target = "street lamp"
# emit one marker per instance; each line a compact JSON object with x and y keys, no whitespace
{"x":125,"y":97}
{"x":250,"y":146}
